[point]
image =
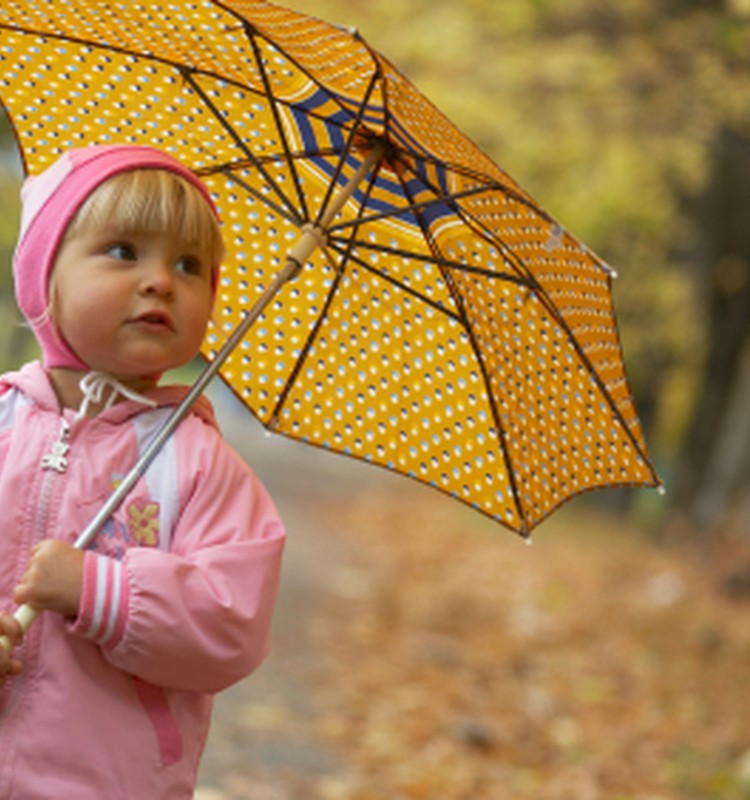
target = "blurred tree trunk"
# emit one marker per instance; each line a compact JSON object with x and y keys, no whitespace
{"x":713,"y":469}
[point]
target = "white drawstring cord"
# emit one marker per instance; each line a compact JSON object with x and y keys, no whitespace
{"x":93,"y":385}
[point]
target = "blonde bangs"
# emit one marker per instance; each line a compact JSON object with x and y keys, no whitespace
{"x":152,"y":201}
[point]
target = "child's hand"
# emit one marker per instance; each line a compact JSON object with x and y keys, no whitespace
{"x":9,"y":628}
{"x":53,"y":579}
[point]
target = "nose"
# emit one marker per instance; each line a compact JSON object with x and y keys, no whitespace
{"x":158,"y":278}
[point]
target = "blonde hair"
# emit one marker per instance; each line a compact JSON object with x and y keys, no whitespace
{"x":151,"y":201}
{"x":145,"y":201}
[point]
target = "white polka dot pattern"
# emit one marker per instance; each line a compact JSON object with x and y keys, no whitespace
{"x":449,"y":330}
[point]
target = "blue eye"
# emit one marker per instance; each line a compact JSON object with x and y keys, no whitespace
{"x":189,"y":265}
{"x":122,"y":251}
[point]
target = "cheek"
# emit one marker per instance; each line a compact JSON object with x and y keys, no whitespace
{"x":199,"y":315}
{"x":207,"y":303}
{"x":84,"y":313}
{"x":81,"y":304}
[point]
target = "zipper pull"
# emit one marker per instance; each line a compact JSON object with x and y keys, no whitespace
{"x":55,"y":459}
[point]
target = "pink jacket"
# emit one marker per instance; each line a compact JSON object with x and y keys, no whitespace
{"x":178,"y":594}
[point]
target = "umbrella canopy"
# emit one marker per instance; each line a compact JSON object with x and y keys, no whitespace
{"x":439,"y":323}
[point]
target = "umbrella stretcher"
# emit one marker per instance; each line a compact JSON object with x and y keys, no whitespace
{"x":389,"y":293}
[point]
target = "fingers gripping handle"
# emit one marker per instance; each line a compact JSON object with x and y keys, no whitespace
{"x":25,"y":615}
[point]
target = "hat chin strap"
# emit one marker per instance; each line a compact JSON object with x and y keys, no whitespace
{"x":93,"y":386}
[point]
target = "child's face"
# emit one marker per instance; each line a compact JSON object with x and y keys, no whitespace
{"x":134,"y":304}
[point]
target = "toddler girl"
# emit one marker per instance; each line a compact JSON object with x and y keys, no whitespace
{"x":109,"y":693}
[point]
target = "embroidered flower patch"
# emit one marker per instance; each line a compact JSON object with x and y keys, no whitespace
{"x":143,"y":523}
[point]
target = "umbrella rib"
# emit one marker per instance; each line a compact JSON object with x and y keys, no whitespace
{"x":176,"y":65}
{"x":440,"y":261}
{"x":457,"y":299}
{"x":484,"y":220}
{"x":586,"y":361}
{"x":346,"y":249}
{"x":251,"y":35}
{"x":226,"y":169}
{"x":348,"y":147}
{"x":186,"y":73}
{"x":538,"y":290}
{"x":249,"y":27}
{"x":252,"y":159}
{"x":487,"y":185}
{"x":350,"y":256}
{"x":415,"y":206}
{"x":476,"y":227}
{"x":305,"y":350}
{"x":505,"y":252}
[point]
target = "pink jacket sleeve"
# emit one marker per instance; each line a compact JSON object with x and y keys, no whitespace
{"x":197,"y":617}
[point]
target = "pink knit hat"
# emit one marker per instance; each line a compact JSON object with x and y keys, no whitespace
{"x":49,"y":202}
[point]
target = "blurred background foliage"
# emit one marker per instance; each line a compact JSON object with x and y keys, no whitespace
{"x":629,"y":121}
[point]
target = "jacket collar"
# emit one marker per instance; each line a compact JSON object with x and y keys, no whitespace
{"x":33,"y":380}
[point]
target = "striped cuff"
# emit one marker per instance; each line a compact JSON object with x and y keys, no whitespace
{"x":104,"y":600}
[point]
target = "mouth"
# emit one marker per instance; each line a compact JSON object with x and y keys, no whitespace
{"x":155,"y":320}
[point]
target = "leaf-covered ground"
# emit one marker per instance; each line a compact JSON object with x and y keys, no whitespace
{"x":592,"y":665}
{"x":447,"y":660}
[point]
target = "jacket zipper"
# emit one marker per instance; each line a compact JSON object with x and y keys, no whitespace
{"x":52,"y":465}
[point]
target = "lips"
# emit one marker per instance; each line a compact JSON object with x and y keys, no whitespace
{"x":154,"y":319}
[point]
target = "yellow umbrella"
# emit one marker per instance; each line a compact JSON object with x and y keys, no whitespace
{"x":390,"y":293}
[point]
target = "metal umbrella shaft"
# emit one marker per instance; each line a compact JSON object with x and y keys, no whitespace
{"x":313,"y":236}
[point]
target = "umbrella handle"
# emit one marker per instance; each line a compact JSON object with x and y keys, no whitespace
{"x":313,"y":237}
{"x":25,"y":615}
